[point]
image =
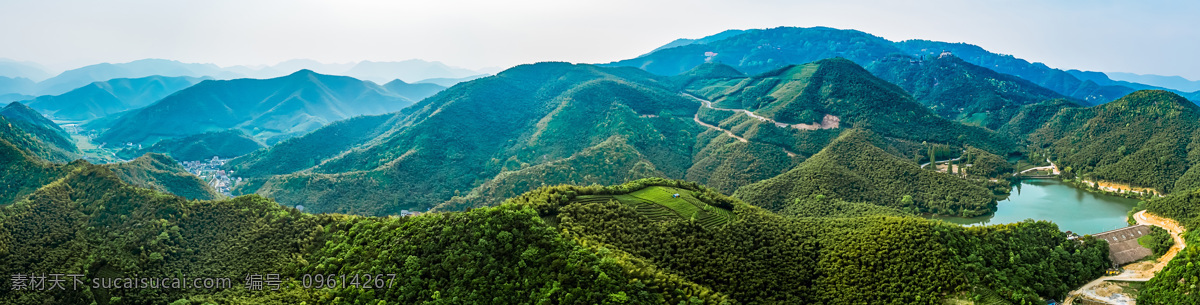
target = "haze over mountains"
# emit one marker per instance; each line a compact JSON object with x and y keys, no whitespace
{"x":778,"y":166}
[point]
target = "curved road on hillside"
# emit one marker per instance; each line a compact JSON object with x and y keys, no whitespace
{"x":1142,"y":218}
{"x":1052,"y":167}
{"x":708,"y":104}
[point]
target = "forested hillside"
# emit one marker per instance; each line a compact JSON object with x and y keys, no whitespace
{"x":958,"y":90}
{"x":51,"y":136}
{"x":853,"y":168}
{"x":224,"y":144}
{"x":161,"y":173}
{"x":268,"y":109}
{"x":1173,"y":285}
{"x":1146,"y":139}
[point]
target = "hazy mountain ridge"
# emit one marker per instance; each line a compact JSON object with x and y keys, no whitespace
{"x":279,"y":107}
{"x":101,"y":99}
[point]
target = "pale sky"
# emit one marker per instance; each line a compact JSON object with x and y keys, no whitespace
{"x":1145,"y":36}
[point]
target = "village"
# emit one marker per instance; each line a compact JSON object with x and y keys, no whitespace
{"x":210,"y":171}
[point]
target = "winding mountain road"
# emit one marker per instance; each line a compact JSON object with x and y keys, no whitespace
{"x":708,"y":104}
{"x":1053,"y":167}
{"x":1143,"y":218}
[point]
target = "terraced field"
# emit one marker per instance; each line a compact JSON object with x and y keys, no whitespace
{"x":660,"y":203}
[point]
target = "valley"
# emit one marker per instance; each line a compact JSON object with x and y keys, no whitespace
{"x":788,"y":165}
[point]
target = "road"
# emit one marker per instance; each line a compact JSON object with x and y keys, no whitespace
{"x":1052,"y":167}
{"x":955,"y":159}
{"x":708,"y":104}
{"x":1143,"y":218}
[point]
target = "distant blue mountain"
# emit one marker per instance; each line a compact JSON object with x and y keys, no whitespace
{"x":80,"y":77}
{"x":104,"y":98}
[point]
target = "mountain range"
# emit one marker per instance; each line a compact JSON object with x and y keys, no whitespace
{"x":756,"y":51}
{"x":101,"y":99}
{"x":269,"y":109}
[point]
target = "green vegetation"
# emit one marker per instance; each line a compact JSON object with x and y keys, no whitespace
{"x":760,"y":257}
{"x":957,"y":90}
{"x":853,"y":168}
{"x":1175,"y":284}
{"x":1159,"y":240}
{"x":1145,"y":139}
{"x":985,"y":164}
{"x":40,"y":136}
{"x":161,"y":173}
{"x":267,"y":109}
{"x":225,"y":144}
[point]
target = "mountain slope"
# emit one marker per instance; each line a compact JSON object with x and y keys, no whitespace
{"x":471,"y":133}
{"x":1173,"y":82}
{"x":853,"y":168}
{"x":1145,"y":139}
{"x":836,"y":93}
{"x":957,"y":90}
{"x":36,"y":135}
{"x":104,"y":98}
{"x":224,"y":144}
{"x":15,"y":85}
{"x":272,"y":108}
{"x":161,"y":173}
{"x":408,"y":70}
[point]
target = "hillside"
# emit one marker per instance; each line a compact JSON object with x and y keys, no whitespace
{"x":434,"y":258}
{"x":834,"y":91}
{"x":161,"y":173}
{"x":1145,"y":139}
{"x":109,"y":97}
{"x":957,"y":90}
{"x":35,"y":135}
{"x":758,"y":257}
{"x":224,"y":144}
{"x":853,"y":168}
{"x":760,"y":50}
{"x":15,"y":85}
{"x":458,"y":139}
{"x":274,"y":109}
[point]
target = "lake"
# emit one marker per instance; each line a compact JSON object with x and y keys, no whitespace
{"x":1073,"y":209}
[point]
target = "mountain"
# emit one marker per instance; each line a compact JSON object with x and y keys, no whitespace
{"x":853,"y":168}
{"x":161,"y":173}
{"x":958,"y":90}
{"x":761,"y":50}
{"x":1146,"y":139}
{"x":225,"y":144}
{"x":831,"y":93}
{"x":17,"y":85}
{"x":1164,"y":287}
{"x":1172,"y":82}
{"x":22,"y":69}
{"x":455,"y":140}
{"x":45,"y":139}
{"x":450,"y":82}
{"x":104,"y":98}
{"x":21,"y":170}
{"x":554,"y":123}
{"x":271,"y":108}
{"x":413,"y":92}
{"x":408,"y":70}
{"x":80,"y":77}
{"x":707,"y":39}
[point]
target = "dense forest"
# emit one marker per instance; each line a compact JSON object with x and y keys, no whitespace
{"x":162,"y":173}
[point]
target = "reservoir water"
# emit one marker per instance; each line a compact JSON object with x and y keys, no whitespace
{"x":1073,"y":209}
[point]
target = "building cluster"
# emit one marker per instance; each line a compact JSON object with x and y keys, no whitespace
{"x":210,"y":171}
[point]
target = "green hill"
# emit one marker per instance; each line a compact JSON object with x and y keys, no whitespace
{"x":462,"y":137}
{"x":54,"y":138}
{"x":758,"y":257}
{"x":104,"y":98}
{"x":504,"y":254}
{"x":1169,"y":286}
{"x":225,"y":144}
{"x":853,"y":168}
{"x":1145,"y":139}
{"x":957,"y":90}
{"x":41,"y":143}
{"x":161,"y":173}
{"x":838,"y":89}
{"x":299,"y":153}
{"x":268,"y":108}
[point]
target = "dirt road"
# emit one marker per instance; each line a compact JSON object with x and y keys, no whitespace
{"x":1137,"y":272}
{"x":708,"y":104}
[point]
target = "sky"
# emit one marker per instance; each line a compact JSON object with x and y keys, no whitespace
{"x":1145,"y":36}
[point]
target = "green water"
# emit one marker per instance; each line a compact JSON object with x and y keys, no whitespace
{"x":1071,"y":208}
